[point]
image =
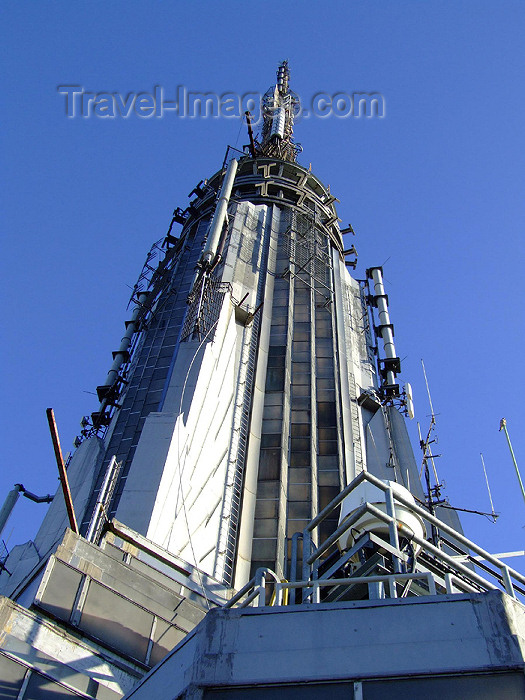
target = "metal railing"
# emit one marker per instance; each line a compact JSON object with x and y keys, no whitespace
{"x":311,"y":554}
{"x":255,"y":588}
{"x":453,"y":577}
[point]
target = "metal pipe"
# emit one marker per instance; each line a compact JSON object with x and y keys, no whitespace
{"x":121,"y":353}
{"x":240,"y":593}
{"x":384,"y":320}
{"x":253,"y":595}
{"x":362,"y":476}
{"x":503,"y":426}
{"x":9,"y":503}
{"x":220,"y":213}
{"x":473,"y":576}
{"x":261,"y":575}
{"x":62,"y":470}
{"x":307,"y":551}
{"x":101,"y":501}
{"x":36,"y":499}
{"x":293,"y":565}
{"x":392,"y":526}
{"x":391,"y":579}
{"x":488,"y":487}
{"x":507,"y":581}
{"x":343,"y":527}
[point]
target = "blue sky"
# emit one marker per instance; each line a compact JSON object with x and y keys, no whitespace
{"x":434,"y":191}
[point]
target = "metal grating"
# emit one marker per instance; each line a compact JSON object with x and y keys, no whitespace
{"x":204,"y":307}
{"x":309,"y":251}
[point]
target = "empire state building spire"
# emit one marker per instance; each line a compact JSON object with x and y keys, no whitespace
{"x":279,"y":107}
{"x":250,"y":449}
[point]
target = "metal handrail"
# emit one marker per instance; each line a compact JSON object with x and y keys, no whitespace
{"x":254,"y":590}
{"x":310,"y":554}
{"x":257,"y":586}
{"x":448,"y":529}
{"x":462,"y":574}
{"x":391,"y":579}
{"x":436,"y":551}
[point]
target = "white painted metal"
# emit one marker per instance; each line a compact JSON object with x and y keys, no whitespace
{"x":409,"y":400}
{"x":9,"y":503}
{"x":270,"y":219}
{"x":220,"y":213}
{"x":366,"y":492}
{"x":384,"y":320}
{"x":278,"y":122}
{"x":101,"y":501}
{"x":351,"y":361}
{"x":505,"y":555}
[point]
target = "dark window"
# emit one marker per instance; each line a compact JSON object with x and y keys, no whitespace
{"x":326,"y":414}
{"x":301,"y":331}
{"x":270,"y":465}
{"x":299,"y":492}
{"x":303,"y":691}
{"x":300,"y":459}
{"x":299,"y":475}
{"x":507,"y":686}
{"x":61,"y":590}
{"x":300,"y":416}
{"x":327,"y":447}
{"x":265,"y":528}
{"x":273,"y":412}
{"x":272,"y":426}
{"x":300,"y":444}
{"x":277,"y":350}
{"x":268,"y":489}
{"x":272,"y":440}
{"x":266,"y":508}
{"x":117,"y":620}
{"x":275,"y":379}
{"x":264,"y":549}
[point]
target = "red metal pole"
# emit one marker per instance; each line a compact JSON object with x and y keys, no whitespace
{"x":62,"y":470}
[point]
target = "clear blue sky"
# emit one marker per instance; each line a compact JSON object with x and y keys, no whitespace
{"x":434,"y":190}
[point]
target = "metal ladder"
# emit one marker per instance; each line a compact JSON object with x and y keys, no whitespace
{"x":354,"y":409}
{"x":236,"y":458}
{"x":102,"y":508}
{"x":356,"y":426}
{"x":240,"y":429}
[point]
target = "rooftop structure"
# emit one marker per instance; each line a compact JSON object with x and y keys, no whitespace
{"x":248,"y":480}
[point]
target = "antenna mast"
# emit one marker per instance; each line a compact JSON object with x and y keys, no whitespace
{"x":279,"y":107}
{"x":494,"y":514}
{"x":433,"y":492}
{"x":503,"y":426}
